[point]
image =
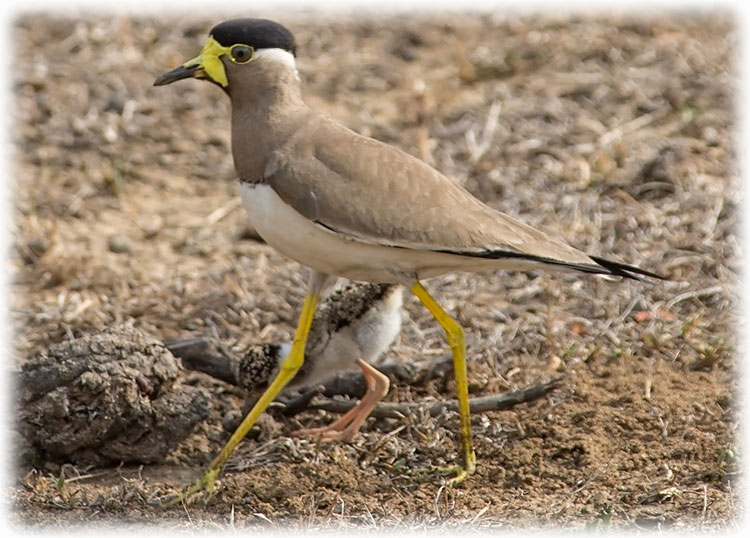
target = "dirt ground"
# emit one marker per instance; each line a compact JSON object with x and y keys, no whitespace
{"x":616,"y":133}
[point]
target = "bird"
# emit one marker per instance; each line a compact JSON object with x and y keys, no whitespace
{"x":347,"y":205}
{"x":353,"y":327}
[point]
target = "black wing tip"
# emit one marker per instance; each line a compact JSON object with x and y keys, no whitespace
{"x":626,"y":271}
{"x":602,"y":267}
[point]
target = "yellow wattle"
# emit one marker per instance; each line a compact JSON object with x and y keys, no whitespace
{"x":209,"y":61}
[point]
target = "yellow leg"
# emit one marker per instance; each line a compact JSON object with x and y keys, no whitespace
{"x":287,"y":371}
{"x":455,"y":336}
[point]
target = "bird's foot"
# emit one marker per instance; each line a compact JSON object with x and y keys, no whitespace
{"x":459,"y":472}
{"x":205,"y":483}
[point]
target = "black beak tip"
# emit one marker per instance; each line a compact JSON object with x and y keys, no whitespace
{"x":176,"y":74}
{"x":161,"y":80}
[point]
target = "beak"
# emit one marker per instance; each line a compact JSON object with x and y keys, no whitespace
{"x":207,"y":65}
{"x":190,"y":69}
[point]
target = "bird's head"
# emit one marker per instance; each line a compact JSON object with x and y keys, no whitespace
{"x":236,"y":49}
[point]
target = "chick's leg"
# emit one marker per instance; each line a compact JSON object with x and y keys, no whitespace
{"x":346,"y":427}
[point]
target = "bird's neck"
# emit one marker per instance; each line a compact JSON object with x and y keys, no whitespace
{"x":264,"y":116}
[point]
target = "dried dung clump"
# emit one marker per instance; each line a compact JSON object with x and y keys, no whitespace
{"x":107,"y":398}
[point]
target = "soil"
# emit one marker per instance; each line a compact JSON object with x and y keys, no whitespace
{"x":616,"y":133}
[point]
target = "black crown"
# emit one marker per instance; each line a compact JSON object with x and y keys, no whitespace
{"x":257,"y":33}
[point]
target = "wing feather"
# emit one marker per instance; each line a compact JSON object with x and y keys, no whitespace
{"x":369,"y":191}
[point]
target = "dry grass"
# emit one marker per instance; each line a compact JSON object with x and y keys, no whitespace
{"x":617,"y":133}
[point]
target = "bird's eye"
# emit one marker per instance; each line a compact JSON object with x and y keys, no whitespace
{"x":242,"y":54}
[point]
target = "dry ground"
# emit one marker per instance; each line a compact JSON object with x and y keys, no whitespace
{"x":615,"y":132}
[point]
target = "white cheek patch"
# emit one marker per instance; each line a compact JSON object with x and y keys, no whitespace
{"x":277,"y":55}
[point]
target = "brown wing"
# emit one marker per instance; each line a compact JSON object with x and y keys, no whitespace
{"x":370,"y":191}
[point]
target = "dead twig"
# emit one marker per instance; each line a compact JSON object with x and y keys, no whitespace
{"x":693,"y":294}
{"x":219,"y":213}
{"x":482,"y":404}
{"x":209,"y":356}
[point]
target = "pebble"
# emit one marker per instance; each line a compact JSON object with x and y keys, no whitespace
{"x":119,"y":244}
